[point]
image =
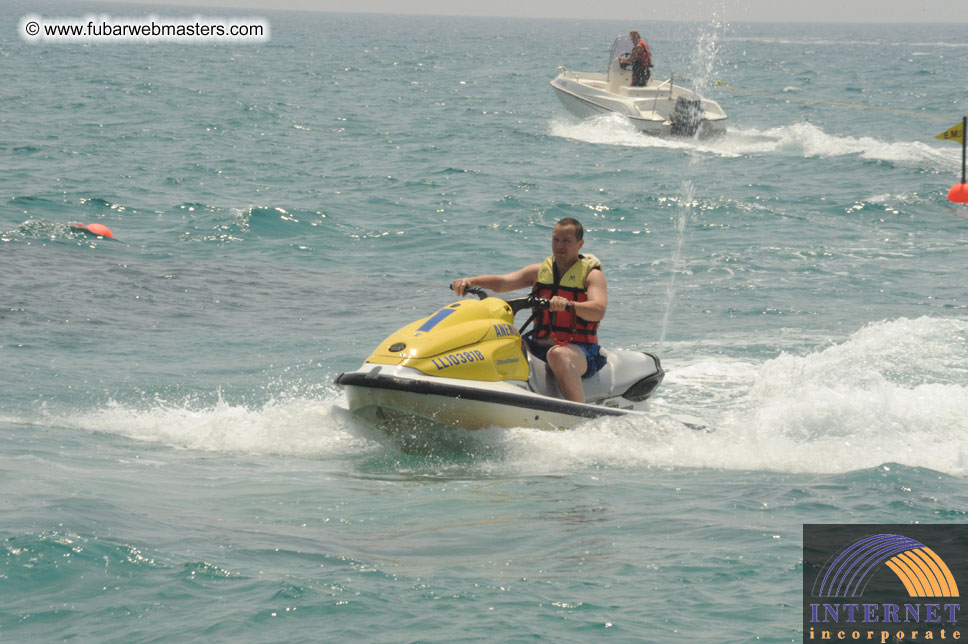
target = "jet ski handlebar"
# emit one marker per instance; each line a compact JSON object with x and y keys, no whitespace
{"x":532,"y":302}
{"x":473,"y":290}
{"x":529,"y":302}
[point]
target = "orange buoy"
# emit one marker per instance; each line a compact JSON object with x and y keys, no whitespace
{"x":958,"y":193}
{"x":95,"y":229}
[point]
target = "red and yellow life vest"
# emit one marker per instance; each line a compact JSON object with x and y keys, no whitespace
{"x":565,"y":326}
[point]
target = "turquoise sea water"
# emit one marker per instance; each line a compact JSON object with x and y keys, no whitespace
{"x":176,"y":464}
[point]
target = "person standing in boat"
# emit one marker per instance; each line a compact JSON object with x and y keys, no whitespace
{"x":641,"y":68}
{"x":566,"y":334}
{"x":641,"y":60}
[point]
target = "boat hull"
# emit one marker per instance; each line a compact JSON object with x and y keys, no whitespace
{"x":580,"y":106}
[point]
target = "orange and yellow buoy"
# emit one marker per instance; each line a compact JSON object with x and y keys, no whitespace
{"x":959,"y":191}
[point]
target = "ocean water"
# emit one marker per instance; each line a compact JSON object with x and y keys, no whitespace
{"x":177,"y":464}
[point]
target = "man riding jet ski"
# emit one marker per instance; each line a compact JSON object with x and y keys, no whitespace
{"x":566,"y":333}
{"x":468,"y":366}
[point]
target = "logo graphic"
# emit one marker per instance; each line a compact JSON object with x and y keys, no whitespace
{"x":918,"y":567}
{"x":883,"y":583}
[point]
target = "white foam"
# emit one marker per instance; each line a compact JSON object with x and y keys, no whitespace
{"x":798,"y":139}
{"x":809,"y":140}
{"x":893,"y":392}
{"x":290,"y":427}
{"x":611,"y":129}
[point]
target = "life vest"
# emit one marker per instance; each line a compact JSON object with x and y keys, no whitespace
{"x":641,"y":66}
{"x":565,"y":326}
{"x":647,"y":55}
{"x":645,"y":58}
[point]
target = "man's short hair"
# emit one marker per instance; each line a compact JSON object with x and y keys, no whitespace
{"x":571,"y":221}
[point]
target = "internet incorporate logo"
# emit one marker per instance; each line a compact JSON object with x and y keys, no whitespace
{"x":919,"y":568}
{"x":884,"y":585}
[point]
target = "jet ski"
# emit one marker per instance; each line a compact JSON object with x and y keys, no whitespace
{"x":467,"y":366}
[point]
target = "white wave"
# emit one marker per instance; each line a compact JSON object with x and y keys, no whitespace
{"x":800,"y":42}
{"x":799,"y":139}
{"x":291,"y":427}
{"x":894,"y":392}
{"x":954,"y":45}
{"x":898,"y":198}
{"x":615,"y":129}
{"x":809,"y":140}
{"x":610,"y":129}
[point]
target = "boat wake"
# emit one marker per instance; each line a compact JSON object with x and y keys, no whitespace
{"x":297,"y":426}
{"x":615,"y":129}
{"x":893,"y":392}
{"x":798,"y":139}
{"x":809,"y":140}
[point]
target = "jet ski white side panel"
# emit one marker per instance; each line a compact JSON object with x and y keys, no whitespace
{"x":389,"y":393}
{"x":622,"y":371}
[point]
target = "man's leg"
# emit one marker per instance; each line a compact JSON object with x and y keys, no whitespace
{"x":568,"y":363}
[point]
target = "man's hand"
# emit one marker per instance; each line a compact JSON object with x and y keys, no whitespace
{"x":460,"y":285}
{"x":558,"y":303}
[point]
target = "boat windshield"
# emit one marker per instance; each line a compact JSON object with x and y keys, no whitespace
{"x":621,"y":47}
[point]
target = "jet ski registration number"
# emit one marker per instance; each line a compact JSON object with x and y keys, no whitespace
{"x":454,"y":359}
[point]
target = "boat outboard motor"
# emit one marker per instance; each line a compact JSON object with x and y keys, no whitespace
{"x":686,"y":117}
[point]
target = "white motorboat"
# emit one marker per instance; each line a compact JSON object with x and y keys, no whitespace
{"x":660,"y":107}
